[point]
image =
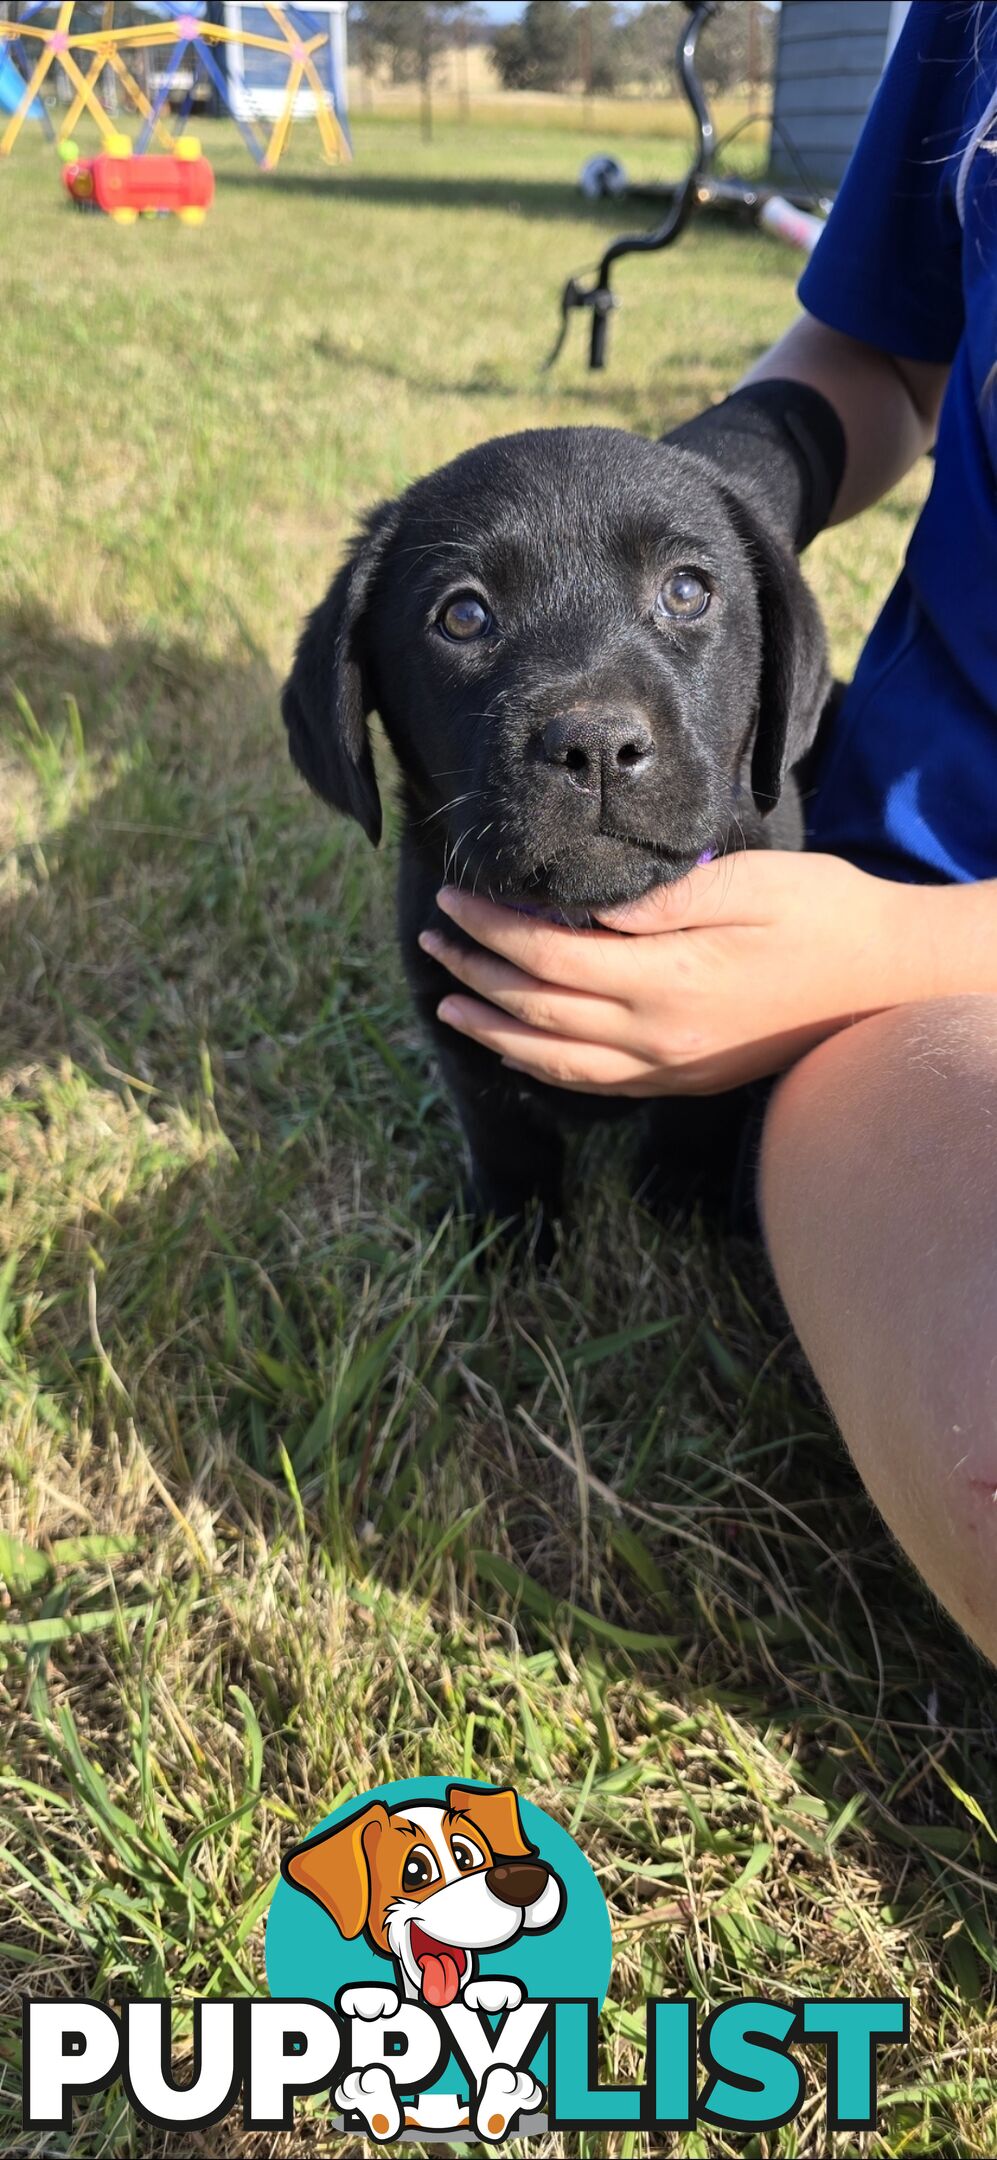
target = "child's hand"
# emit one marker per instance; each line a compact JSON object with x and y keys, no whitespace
{"x":731,"y":974}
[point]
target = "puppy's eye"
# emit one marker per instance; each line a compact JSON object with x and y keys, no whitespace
{"x":419,"y":1870}
{"x":465,"y":617}
{"x":683,"y":596}
{"x":466,"y":1855}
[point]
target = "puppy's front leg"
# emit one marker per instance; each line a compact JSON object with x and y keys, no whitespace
{"x":516,"y":1150}
{"x":516,"y":1153}
{"x":690,"y":1151}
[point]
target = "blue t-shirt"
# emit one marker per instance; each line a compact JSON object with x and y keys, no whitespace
{"x":907,"y":786}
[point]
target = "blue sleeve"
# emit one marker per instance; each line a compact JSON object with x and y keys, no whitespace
{"x":888,"y":269}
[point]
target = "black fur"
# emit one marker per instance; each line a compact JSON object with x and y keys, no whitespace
{"x":568,"y":535}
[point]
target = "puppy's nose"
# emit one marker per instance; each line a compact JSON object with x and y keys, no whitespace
{"x":594,"y":752}
{"x":517,"y":1882}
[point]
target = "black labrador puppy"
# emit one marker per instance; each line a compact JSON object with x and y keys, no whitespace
{"x":595,"y":662}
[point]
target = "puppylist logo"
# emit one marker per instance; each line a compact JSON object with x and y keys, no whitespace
{"x":438,"y":1955}
{"x":459,"y":1915}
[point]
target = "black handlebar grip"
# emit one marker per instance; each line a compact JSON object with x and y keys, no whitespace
{"x":597,"y":349}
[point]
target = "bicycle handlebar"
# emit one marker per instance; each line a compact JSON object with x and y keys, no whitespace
{"x":599,"y":296}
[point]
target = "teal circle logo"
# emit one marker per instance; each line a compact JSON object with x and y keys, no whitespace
{"x":307,"y":1952}
{"x":450,"y":1909}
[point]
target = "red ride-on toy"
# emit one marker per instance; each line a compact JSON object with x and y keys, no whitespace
{"x":125,"y":186}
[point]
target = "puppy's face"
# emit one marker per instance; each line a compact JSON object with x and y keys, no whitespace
{"x":431,"y":1885}
{"x":579,"y":643}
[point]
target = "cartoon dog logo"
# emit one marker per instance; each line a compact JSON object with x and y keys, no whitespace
{"x":431,"y":1887}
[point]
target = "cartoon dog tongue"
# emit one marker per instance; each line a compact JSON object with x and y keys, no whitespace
{"x":440,"y":1979}
{"x":440,"y":1967}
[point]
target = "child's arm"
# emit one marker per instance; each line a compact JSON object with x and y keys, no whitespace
{"x":888,"y":406}
{"x":733,"y":973}
{"x":819,"y":429}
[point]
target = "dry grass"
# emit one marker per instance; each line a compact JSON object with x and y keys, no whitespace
{"x":296,"y":1499}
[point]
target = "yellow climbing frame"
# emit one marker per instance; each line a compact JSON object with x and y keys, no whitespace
{"x":60,"y":43}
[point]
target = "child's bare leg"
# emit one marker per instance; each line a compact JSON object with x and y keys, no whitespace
{"x":879,"y":1198}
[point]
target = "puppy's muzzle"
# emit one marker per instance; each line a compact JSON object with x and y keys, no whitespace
{"x":517,"y":1882}
{"x":598,"y":753}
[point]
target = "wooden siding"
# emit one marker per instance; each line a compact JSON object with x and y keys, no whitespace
{"x":831,"y":54}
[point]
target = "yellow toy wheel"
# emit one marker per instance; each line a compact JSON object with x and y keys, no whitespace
{"x":191,"y":217}
{"x":125,"y":217}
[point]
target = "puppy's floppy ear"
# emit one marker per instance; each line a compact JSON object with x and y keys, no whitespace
{"x":334,"y":1868}
{"x":795,"y":678}
{"x":328,"y":694}
{"x":496,"y":1815}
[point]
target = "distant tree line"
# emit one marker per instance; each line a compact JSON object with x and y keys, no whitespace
{"x":590,"y":45}
{"x":404,"y":38}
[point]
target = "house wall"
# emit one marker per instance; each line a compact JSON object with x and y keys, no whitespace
{"x":829,"y":59}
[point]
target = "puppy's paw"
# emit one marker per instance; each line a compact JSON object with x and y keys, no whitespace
{"x":369,"y":2003}
{"x":493,"y":1995}
{"x":370,"y":2093}
{"x":504,"y":2095}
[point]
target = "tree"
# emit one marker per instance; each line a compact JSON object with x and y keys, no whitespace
{"x":559,"y":44}
{"x":540,"y":52}
{"x":734,"y":38}
{"x":365,"y":45}
{"x":646,"y":41}
{"x":406,"y":36}
{"x":598,"y":29}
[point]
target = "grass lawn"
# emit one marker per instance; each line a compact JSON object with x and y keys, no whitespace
{"x":294,"y":1500}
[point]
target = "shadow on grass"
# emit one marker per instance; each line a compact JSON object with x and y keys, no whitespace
{"x":516,"y":197}
{"x":221,"y":1208}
